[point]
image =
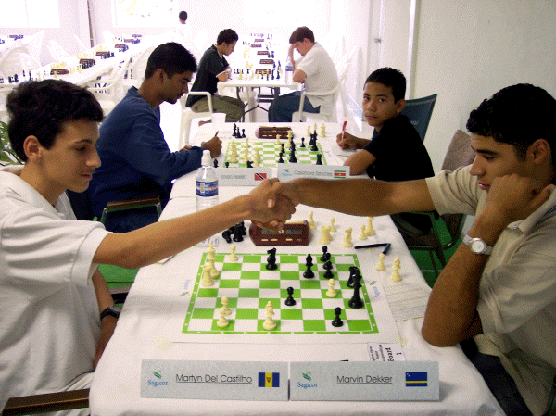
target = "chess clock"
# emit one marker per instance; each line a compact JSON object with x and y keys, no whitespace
{"x":295,"y":233}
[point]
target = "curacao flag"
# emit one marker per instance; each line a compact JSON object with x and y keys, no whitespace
{"x":269,"y":379}
{"x":416,"y":379}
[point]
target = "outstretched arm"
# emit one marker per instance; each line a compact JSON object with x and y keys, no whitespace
{"x":451,"y":314}
{"x":108,"y":324}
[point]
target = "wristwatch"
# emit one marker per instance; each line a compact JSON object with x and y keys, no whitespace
{"x":112,"y":311}
{"x":477,"y":245}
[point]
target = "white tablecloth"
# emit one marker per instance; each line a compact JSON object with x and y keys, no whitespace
{"x":147,"y":327}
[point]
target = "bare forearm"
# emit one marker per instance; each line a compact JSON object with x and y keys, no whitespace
{"x":364,"y":197}
{"x":104,"y":298}
{"x":451,"y":311}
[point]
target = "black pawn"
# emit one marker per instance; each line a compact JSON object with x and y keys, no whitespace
{"x":290,"y":301}
{"x":308,"y":274}
{"x":215,"y":163}
{"x":243,"y":136}
{"x":327,"y":266}
{"x":337,"y":322}
{"x":302,"y":142}
{"x":355,"y":302}
{"x":227,"y":165}
{"x":324,"y":256}
{"x":281,"y":158}
{"x":319,"y":159}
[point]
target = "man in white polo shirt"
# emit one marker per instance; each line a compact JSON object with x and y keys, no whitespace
{"x":315,"y":69}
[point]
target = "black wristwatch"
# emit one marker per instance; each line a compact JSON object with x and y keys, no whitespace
{"x":112,"y":311}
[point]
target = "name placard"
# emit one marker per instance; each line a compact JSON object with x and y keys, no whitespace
{"x":351,"y":380}
{"x":242,"y":176}
{"x":294,"y":171}
{"x":215,"y":380}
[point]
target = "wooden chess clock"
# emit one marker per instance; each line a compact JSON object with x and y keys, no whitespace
{"x":266,"y":132}
{"x":295,"y":233}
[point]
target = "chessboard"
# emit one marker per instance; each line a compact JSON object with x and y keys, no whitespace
{"x":269,"y":153}
{"x":249,"y":287}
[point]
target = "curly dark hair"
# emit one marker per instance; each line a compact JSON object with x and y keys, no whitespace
{"x":172,"y":58}
{"x":40,"y":108}
{"x":392,"y":78}
{"x":518,"y":115}
{"x":227,"y":36}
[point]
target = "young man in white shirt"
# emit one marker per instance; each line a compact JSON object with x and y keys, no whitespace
{"x":57,"y":312}
{"x":497,"y":294}
{"x":315,"y":69}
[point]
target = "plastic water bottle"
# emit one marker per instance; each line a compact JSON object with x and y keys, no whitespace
{"x":288,"y":70}
{"x":206,"y":191}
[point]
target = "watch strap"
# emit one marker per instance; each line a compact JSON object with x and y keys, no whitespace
{"x":112,"y":311}
{"x":467,"y":240}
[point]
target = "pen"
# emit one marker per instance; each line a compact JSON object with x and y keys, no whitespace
{"x":344,"y":129}
{"x":385,"y":245}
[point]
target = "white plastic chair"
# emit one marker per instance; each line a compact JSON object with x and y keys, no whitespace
{"x":108,"y":37}
{"x":188,"y":115}
{"x":35,"y":46}
{"x":58,"y":53}
{"x":136,"y":72}
{"x":16,"y":61}
{"x":80,"y":45}
{"x":110,"y":93}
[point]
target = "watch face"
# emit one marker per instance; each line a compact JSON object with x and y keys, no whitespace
{"x":478,"y":246}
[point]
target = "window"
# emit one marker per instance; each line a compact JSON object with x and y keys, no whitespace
{"x":144,"y":13}
{"x":29,"y":13}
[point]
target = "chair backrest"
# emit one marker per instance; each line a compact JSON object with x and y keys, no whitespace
{"x":58,"y":53}
{"x":17,"y":60}
{"x":139,"y":63}
{"x":80,"y":45}
{"x":35,"y":46}
{"x":419,"y":112}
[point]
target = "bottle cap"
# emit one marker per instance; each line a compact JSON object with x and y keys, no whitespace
{"x":205,"y":160}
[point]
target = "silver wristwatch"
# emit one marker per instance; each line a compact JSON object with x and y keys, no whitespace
{"x":477,"y":245}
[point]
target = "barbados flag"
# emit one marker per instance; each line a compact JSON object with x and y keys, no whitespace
{"x":416,"y":379}
{"x":269,"y":379}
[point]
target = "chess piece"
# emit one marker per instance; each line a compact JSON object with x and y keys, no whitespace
{"x":354,"y":274}
{"x":206,"y":280}
{"x":302,"y":142}
{"x":233,"y":157}
{"x":395,"y":276}
{"x":312,"y":225}
{"x":331,"y":292}
{"x":380,"y":265}
{"x":337,"y":322}
{"x":327,"y":266}
{"x":325,"y":236}
{"x":347,"y":238}
{"x":227,"y":236}
{"x":211,"y":255}
{"x":322,"y":130}
{"x":363,"y":235}
{"x":281,"y":158}
{"x":277,"y":140}
{"x":355,"y":302}
{"x":269,"y":324}
{"x":319,"y":159}
{"x":290,"y":301}
{"x":257,"y":157}
{"x":369,"y":230}
{"x":222,"y":322}
{"x":238,"y":233}
{"x":271,"y":260}
{"x":233,"y":256}
{"x":325,"y":254}
{"x":224,"y":310}
{"x":308,"y":274}
{"x":332,"y":225}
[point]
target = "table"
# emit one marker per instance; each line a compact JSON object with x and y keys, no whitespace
{"x":155,"y":308}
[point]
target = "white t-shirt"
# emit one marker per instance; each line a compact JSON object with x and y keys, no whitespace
{"x":321,"y":74}
{"x":50,"y":321}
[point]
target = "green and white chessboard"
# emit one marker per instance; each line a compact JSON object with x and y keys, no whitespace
{"x":249,"y":286}
{"x":269,"y":153}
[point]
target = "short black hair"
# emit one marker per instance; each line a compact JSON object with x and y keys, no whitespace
{"x":392,"y":78}
{"x":518,"y":115}
{"x":172,"y":58}
{"x":183,"y":15}
{"x":301,"y":33}
{"x":40,"y":109}
{"x":227,"y":36}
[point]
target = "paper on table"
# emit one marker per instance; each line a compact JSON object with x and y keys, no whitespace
{"x":407,"y":301}
{"x":385,"y":352}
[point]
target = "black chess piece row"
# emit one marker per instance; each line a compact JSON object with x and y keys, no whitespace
{"x":238,"y":134}
{"x":237,"y":231}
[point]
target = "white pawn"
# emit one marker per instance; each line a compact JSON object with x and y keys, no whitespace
{"x":325,"y":235}
{"x":269,"y":324}
{"x":257,"y":158}
{"x":312,"y":225}
{"x":322,"y":130}
{"x":331,"y":292}
{"x":332,"y":225}
{"x":363,"y":235}
{"x":224,"y":310}
{"x":233,"y":256}
{"x":288,"y":144}
{"x":246,"y":155}
{"x":395,"y":276}
{"x":277,"y":140}
{"x":369,"y":230}
{"x":380,"y":265}
{"x":222,"y":322}
{"x":206,"y":280}
{"x":347,"y":238}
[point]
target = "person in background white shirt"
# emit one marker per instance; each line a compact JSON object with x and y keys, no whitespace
{"x":315,"y":69}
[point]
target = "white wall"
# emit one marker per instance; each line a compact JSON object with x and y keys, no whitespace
{"x":470,"y":49}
